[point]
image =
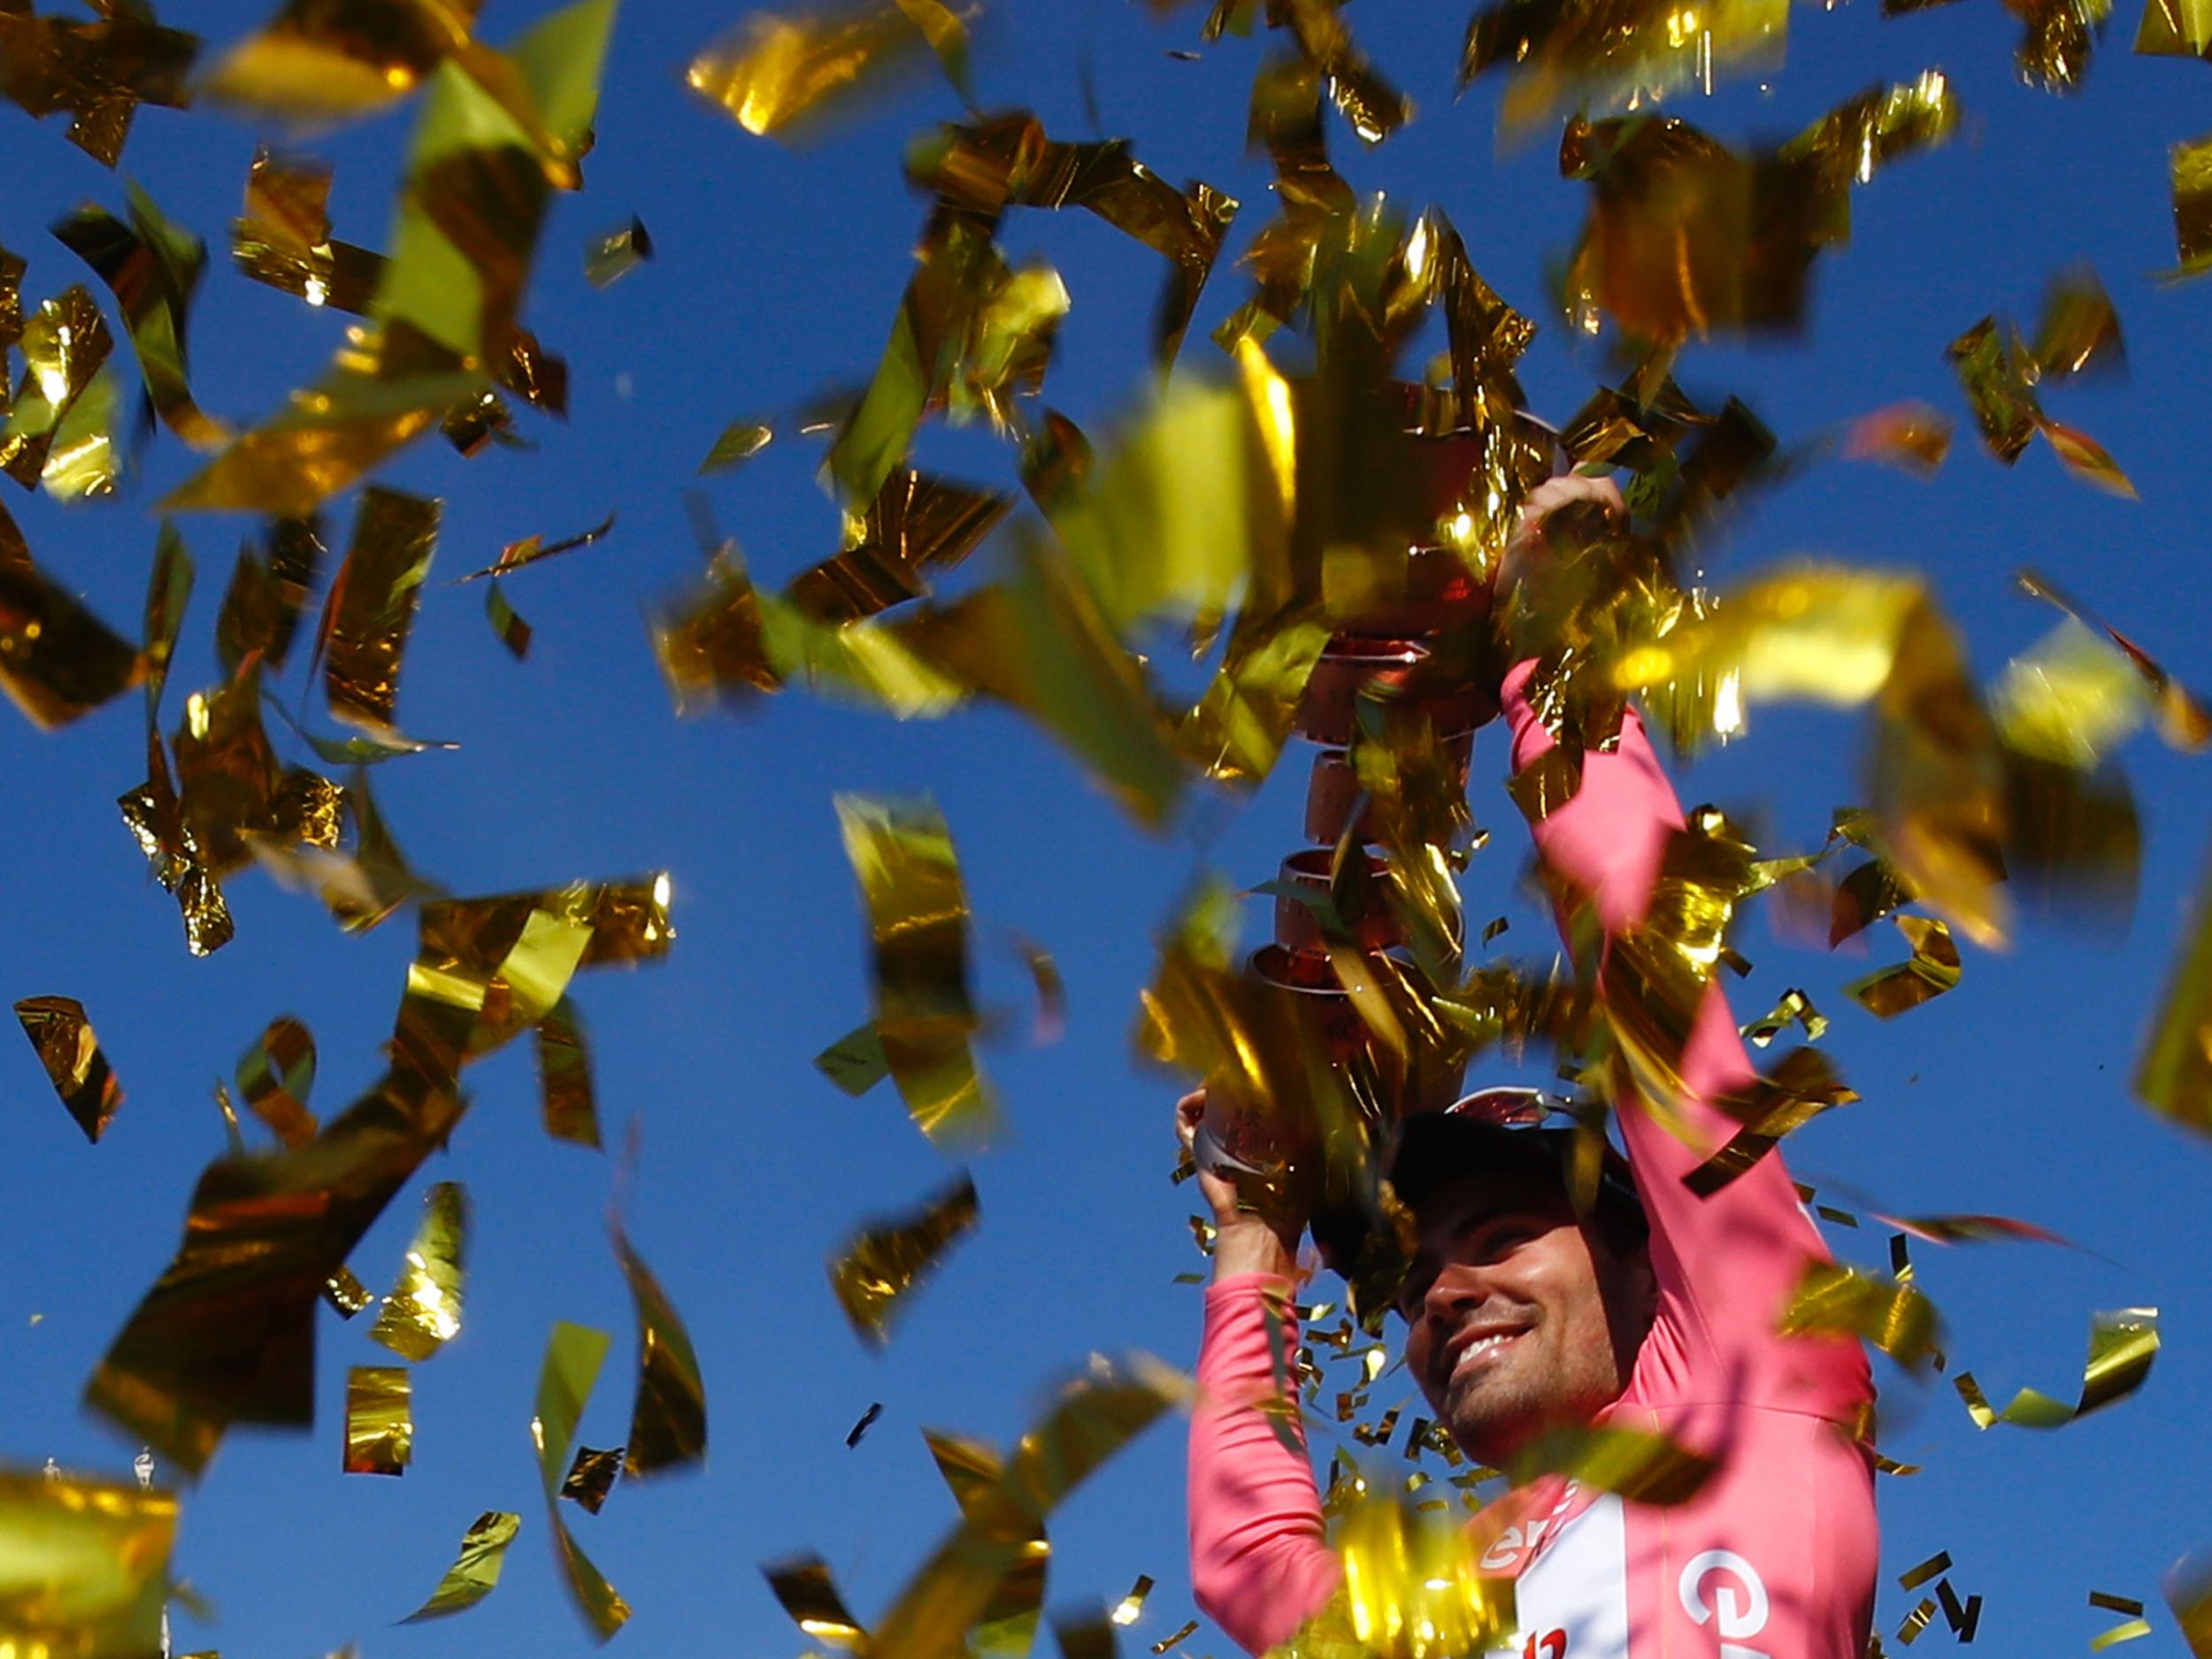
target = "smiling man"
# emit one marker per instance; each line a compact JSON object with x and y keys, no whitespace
{"x":1657,"y":1311}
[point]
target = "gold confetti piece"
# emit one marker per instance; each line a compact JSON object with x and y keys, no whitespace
{"x":573,"y":1355}
{"x":2133,"y":1626}
{"x":1794,"y":1005}
{"x":1182,"y":1635}
{"x":530,"y":549}
{"x":2055,"y":37}
{"x":1090,"y":1420}
{"x":1411,"y":1589}
{"x":1052,"y":992}
{"x":610,"y":258}
{"x":2175,"y":29}
{"x":2069,"y":698}
{"x":1616,"y":55}
{"x":804,"y":1589}
{"x":591,"y":1476}
{"x":233,"y":1136}
{"x":1642,"y":1467}
{"x":1912,"y":1580}
{"x":474,"y":1573}
{"x":380,"y":1422}
{"x":1891,"y":1314}
{"x":872,"y":1275}
{"x":916,"y":524}
{"x":261,"y":611}
{"x":773,"y":73}
{"x":1086,"y":1635}
{"x":739,"y":441}
{"x":321,"y":61}
{"x":2174,"y":1076}
{"x":1913,"y":436}
{"x":867,"y":1420}
{"x":1126,"y":1609}
{"x":98,"y":70}
{"x":668,"y":1422}
{"x":57,"y":661}
{"x":226,"y":1334}
{"x":63,"y":1037}
{"x":168,"y":591}
{"x":2121,"y":1346}
{"x":87,"y":1562}
{"x":2191,"y":169}
{"x":909,"y":878}
{"x":1801,"y":1087}
{"x":329,"y":436}
{"x":2112,"y":1603}
{"x":64,"y":344}
{"x":152,"y":267}
{"x":2182,"y":721}
{"x":569,"y":1107}
{"x":2079,"y":334}
{"x":855,"y":1062}
{"x":1933,"y":970}
{"x":371,"y":607}
{"x":1999,"y":374}
{"x":345,"y":1293}
{"x":283,"y":238}
{"x":423,"y":1313}
{"x":2187,"y":1587}
{"x":1917,"y":1621}
{"x":275,"y":1075}
{"x":1752,"y":225}
{"x":507,"y":623}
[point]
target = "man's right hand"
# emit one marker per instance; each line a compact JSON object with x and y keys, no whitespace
{"x":1244,"y":1242}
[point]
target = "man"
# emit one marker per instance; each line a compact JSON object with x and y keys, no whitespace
{"x":1656,"y":1312}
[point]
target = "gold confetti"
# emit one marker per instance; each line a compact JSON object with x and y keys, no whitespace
{"x":2191,"y":167}
{"x":1177,"y":1637}
{"x":283,"y":237}
{"x":917,"y":524}
{"x":1130,"y":1606}
{"x":530,"y":549}
{"x":2175,"y":29}
{"x":1619,"y":55}
{"x":1891,"y":1314}
{"x":345,"y":1293}
{"x":804,"y":1589}
{"x":1794,"y":1005}
{"x":873,"y":1274}
{"x":1411,"y":1589}
{"x":1915,"y":436}
{"x":573,"y":1355}
{"x":2133,"y":1624}
{"x":739,"y":442}
{"x":2174,"y":1076}
{"x":87,"y":1562}
{"x":274,"y":1076}
{"x":317,"y":60}
{"x":380,"y":1422}
{"x":569,"y":1108}
{"x":66,"y":1047}
{"x":507,"y":623}
{"x":371,"y":607}
{"x":591,"y":1476}
{"x":1999,"y":375}
{"x":668,"y":1424}
{"x":2182,"y":721}
{"x":1641,"y":1466}
{"x":423,"y":1313}
{"x":2121,"y":1346}
{"x":609,"y":258}
{"x":867,"y":1420}
{"x":152,"y":267}
{"x":774,"y":73}
{"x":2187,"y":1587}
{"x":918,"y":914}
{"x":474,"y":1573}
{"x":1933,"y":970}
{"x":98,"y":70}
{"x":57,"y":661}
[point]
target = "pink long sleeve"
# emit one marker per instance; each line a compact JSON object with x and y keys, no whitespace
{"x":1260,"y":1565}
{"x":1725,"y":1264}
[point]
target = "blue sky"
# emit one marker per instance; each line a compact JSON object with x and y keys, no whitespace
{"x":776,"y":275}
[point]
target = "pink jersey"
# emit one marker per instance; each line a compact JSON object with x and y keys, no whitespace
{"x":1775,"y":1558}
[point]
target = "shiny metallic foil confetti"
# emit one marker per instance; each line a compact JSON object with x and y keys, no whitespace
{"x":591,"y":1476}
{"x":573,"y":1355}
{"x":803,"y":1588}
{"x":530,"y":549}
{"x":66,"y":1047}
{"x":2174,"y":1075}
{"x":777,"y":72}
{"x":866,"y":1421}
{"x":380,"y":1420}
{"x":283,"y":237}
{"x":1127,"y":1609}
{"x":609,"y":258}
{"x":274,"y":1077}
{"x":569,"y":1106}
{"x":917,"y":918}
{"x":2121,"y":1346}
{"x":738,"y":442}
{"x":348,"y":1295}
{"x":1411,"y":1589}
{"x":84,"y":1564}
{"x":474,"y":1573}
{"x":668,"y":1424}
{"x":98,"y":70}
{"x":1933,"y":970}
{"x":374,"y":599}
{"x":423,"y":1312}
{"x":1891,"y":1314}
{"x":877,"y":1271}
{"x":57,"y":661}
{"x":507,"y":623}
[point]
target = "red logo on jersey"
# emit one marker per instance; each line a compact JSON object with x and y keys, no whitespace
{"x":1551,"y":1645}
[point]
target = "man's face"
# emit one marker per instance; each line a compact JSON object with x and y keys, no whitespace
{"x":1518,"y":1318}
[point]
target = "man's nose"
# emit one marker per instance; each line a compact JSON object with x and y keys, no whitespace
{"x":1456,"y":1290}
